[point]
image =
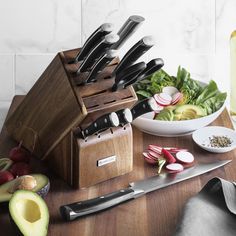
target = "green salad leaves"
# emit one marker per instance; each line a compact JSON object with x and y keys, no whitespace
{"x":208,"y":98}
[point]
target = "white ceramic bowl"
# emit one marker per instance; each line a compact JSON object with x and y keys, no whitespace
{"x":173,"y":128}
{"x":201,"y":138}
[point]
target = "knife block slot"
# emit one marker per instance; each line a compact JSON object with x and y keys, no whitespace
{"x":55,"y":106}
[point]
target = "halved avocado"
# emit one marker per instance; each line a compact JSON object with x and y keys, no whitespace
{"x":188,"y":112}
{"x":41,"y":188}
{"x":29,"y":213}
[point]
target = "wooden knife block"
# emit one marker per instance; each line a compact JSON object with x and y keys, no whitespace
{"x":56,"y":105}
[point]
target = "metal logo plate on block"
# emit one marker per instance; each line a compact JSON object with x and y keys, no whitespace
{"x":106,"y":161}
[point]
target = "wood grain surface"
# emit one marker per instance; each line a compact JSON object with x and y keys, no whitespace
{"x":157,"y":213}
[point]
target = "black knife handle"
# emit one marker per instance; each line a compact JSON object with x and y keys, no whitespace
{"x":143,"y":107}
{"x":98,"y":51}
{"x":128,"y":29}
{"x":93,"y":40}
{"x":125,"y":116}
{"x":102,"y":123}
{"x":152,"y":66}
{"x":101,"y":64}
{"x":128,"y":74}
{"x":134,"y":53}
{"x":75,"y":210}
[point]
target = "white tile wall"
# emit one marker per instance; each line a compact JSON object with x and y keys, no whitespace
{"x":194,"y":34}
{"x":28,"y":70}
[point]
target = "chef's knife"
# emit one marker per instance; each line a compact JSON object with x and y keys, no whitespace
{"x":144,"y":106}
{"x":128,"y":74}
{"x":127,"y":29}
{"x":152,"y":66}
{"x":93,"y":40}
{"x":98,"y":51}
{"x":125,"y":116}
{"x":134,"y":53}
{"x":101,"y":64}
{"x":136,"y":189}
{"x":102,"y":123}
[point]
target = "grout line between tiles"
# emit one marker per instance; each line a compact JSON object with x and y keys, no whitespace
{"x":14,"y":74}
{"x":81,"y":22}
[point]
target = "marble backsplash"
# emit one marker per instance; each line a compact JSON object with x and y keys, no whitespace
{"x":190,"y":33}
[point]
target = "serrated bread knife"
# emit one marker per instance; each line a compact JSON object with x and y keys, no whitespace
{"x":136,"y":189}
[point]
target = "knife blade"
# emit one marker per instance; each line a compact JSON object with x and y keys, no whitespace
{"x":98,"y":51}
{"x":152,"y":66}
{"x":93,"y":40}
{"x":134,"y":53}
{"x":125,"y":116}
{"x":136,"y":189}
{"x":128,"y":74}
{"x":102,"y":123}
{"x":128,"y":29}
{"x":144,"y":106}
{"x":101,"y":64}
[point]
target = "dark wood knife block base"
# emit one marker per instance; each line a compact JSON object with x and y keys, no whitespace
{"x":56,"y":105}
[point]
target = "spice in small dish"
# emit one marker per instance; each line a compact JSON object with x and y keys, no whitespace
{"x":219,"y":141}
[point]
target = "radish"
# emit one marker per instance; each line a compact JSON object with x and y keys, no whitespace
{"x":155,"y":148}
{"x":154,"y":154}
{"x":175,"y":150}
{"x":149,"y":158}
{"x":176,"y":97}
{"x":170,"y":90}
{"x":169,"y":157}
{"x":150,"y":161}
{"x":163,"y":99}
{"x":174,"y":168}
{"x":185,"y":157}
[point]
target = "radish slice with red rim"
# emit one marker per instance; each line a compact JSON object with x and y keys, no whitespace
{"x":170,"y":90}
{"x":150,"y":161}
{"x":176,"y":97}
{"x":175,"y":167}
{"x":154,"y":154}
{"x":185,"y":157}
{"x":163,"y":99}
{"x":156,"y":149}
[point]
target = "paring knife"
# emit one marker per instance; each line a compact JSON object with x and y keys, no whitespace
{"x":102,"y":123}
{"x":144,"y":106}
{"x":93,"y":40}
{"x":128,"y":74}
{"x":127,"y":29}
{"x":125,"y":116}
{"x":134,"y":53}
{"x":152,"y":66}
{"x":101,"y":64}
{"x":98,"y":51}
{"x":136,"y":189}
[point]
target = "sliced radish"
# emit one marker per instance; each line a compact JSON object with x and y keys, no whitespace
{"x":175,"y":167}
{"x":176,"y":97}
{"x":154,"y":154}
{"x":150,"y":161}
{"x":168,"y":156}
{"x":163,"y":99}
{"x":155,"y":148}
{"x":185,"y":157}
{"x":170,"y":90}
{"x":175,"y":150}
{"x":159,"y":108}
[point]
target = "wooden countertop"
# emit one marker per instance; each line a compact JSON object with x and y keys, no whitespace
{"x":156,"y":213}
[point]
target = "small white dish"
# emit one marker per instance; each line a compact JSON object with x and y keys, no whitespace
{"x":201,"y":138}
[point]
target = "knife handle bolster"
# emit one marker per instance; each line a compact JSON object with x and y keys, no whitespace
{"x":75,"y":210}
